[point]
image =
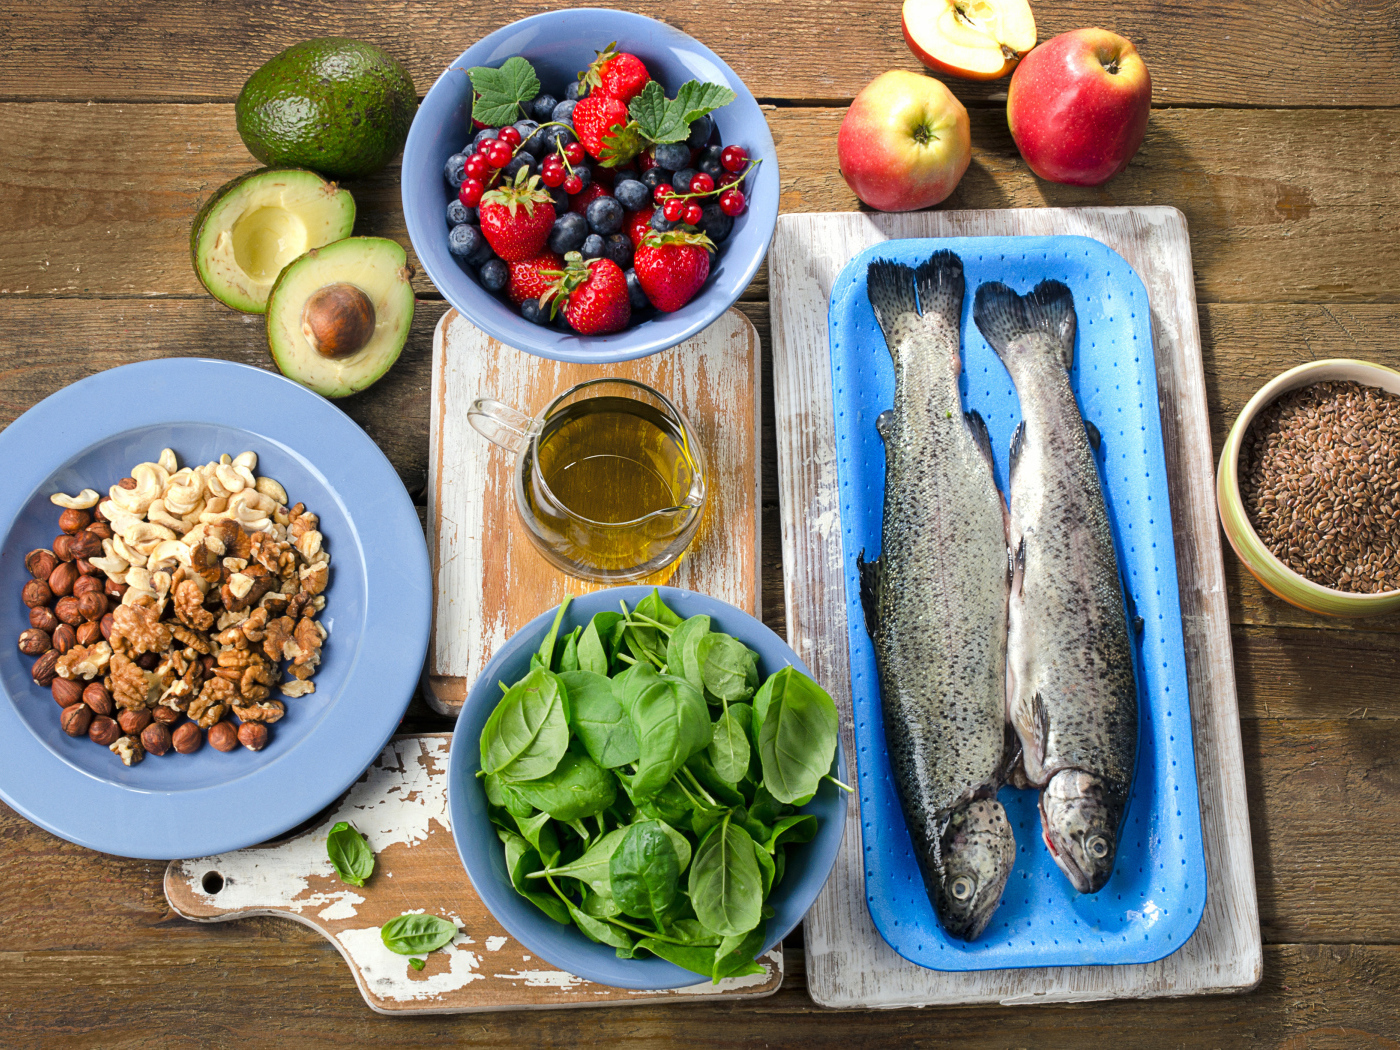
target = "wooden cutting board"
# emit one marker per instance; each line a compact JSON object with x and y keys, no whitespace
{"x":400,"y":805}
{"x":847,"y":963}
{"x":489,"y":580}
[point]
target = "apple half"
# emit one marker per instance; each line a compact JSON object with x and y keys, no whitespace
{"x":974,"y":39}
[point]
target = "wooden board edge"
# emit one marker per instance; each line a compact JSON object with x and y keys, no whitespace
{"x":439,"y":697}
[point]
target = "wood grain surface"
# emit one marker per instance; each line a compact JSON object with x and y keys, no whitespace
{"x":1274,"y":132}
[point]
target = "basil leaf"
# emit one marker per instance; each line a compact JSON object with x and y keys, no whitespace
{"x":724,"y":668}
{"x":418,"y":964}
{"x":796,"y":830}
{"x":699,"y":960}
{"x":501,"y":91}
{"x":416,"y":934}
{"x":350,"y":854}
{"x":576,"y":787}
{"x":528,"y":732}
{"x":521,"y":860}
{"x":737,"y":956}
{"x":645,"y":872}
{"x":592,"y":867}
{"x":595,"y":644}
{"x":671,"y":723}
{"x":725,"y":882}
{"x":681,"y":658}
{"x":599,"y":720}
{"x":729,"y":747}
{"x":797,"y":741}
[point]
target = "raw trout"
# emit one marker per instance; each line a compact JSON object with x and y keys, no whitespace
{"x":935,"y":600}
{"x":1071,"y":696}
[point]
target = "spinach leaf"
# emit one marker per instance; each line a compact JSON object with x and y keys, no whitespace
{"x":767,"y":808}
{"x":721,"y":790}
{"x":645,"y":872}
{"x":546,"y":650}
{"x":680,"y":842}
{"x":736,"y":956}
{"x":693,"y":933}
{"x":652,"y":606}
{"x":591,"y":868}
{"x":350,"y":854}
{"x":669,"y":805}
{"x":797,"y":741}
{"x":796,"y":829}
{"x":521,"y":860}
{"x":671,"y":723}
{"x":765,"y":868}
{"x":646,"y":642}
{"x":696,"y":959}
{"x":568,"y":660}
{"x":595,"y":649}
{"x":416,"y":934}
{"x":598,"y":930}
{"x":632,"y":682}
{"x":598,"y":906}
{"x":528,"y":732}
{"x":725,"y":882}
{"x":729,"y":747}
{"x":724,"y":668}
{"x":681,"y":658}
{"x":598,"y":719}
{"x":540,"y":833}
{"x":418,"y":964}
{"x":576,"y":787}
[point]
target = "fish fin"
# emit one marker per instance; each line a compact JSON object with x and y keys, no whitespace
{"x":869,"y":572}
{"x":941,"y":287}
{"x":884,"y":424}
{"x":1018,"y":567}
{"x":890,"y":286}
{"x":1002,"y":316}
{"x":1012,"y":771}
{"x":983,"y":440}
{"x":1040,"y":725}
{"x":1137,"y":621}
{"x":1095,"y":438}
{"x":1018,"y":438}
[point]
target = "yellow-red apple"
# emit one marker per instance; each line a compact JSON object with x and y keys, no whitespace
{"x":904,"y":143}
{"x":976,"y":39}
{"x":1078,"y":106}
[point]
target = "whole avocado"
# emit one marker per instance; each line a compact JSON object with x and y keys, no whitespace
{"x":337,"y":106}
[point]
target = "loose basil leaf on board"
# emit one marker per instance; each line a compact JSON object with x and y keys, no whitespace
{"x":521,"y":860}
{"x":528,"y":732}
{"x":592,"y":867}
{"x":598,"y":719}
{"x":576,"y":787}
{"x":724,"y":668}
{"x":797,"y":741}
{"x":681,"y":659}
{"x":645,"y":872}
{"x":725,"y":882}
{"x":350,"y":854}
{"x":672,"y":723}
{"x":696,"y":959}
{"x":416,"y":934}
{"x":418,"y":964}
{"x":595,"y":645}
{"x":736,"y":956}
{"x":568,"y":659}
{"x":729,"y":747}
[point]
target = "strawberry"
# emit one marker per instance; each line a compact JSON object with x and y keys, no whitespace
{"x":587,"y":196}
{"x":595,"y":119}
{"x":638,"y":225}
{"x":593,"y":295}
{"x":529,"y":279}
{"x":516,"y":217}
{"x":672,"y":266}
{"x":616,"y":74}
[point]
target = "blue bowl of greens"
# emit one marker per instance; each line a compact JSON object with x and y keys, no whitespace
{"x":660,"y":802}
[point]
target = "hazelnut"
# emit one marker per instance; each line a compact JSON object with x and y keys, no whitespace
{"x":67,"y":610}
{"x":106,"y":625}
{"x":86,"y":567}
{"x":166,"y":716}
{"x":35,"y":642}
{"x":97,"y":515}
{"x":253,"y":735}
{"x":63,"y":547}
{"x":83,"y":584}
{"x":127,"y":483}
{"x":73,"y":520}
{"x":43,"y":618}
{"x":187,"y":739}
{"x":36,"y":593}
{"x":92,"y":606}
{"x":148,"y":661}
{"x":62,"y":578}
{"x":40,"y":563}
{"x":64,"y":638}
{"x":66,"y":692}
{"x":132,"y":722}
{"x":76,"y":719}
{"x":85,"y":545}
{"x":209,"y":662}
{"x":44,"y":669}
{"x":88,"y":633}
{"x":103,"y":730}
{"x":95,"y":695}
{"x":222,"y":736}
{"x":101,"y":530}
{"x":155,"y":738}
{"x":114,"y":590}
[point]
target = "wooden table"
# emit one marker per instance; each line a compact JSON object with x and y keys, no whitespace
{"x":1275,"y":129}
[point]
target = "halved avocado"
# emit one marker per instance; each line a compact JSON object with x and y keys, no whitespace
{"x":338,"y":317}
{"x":255,"y":225}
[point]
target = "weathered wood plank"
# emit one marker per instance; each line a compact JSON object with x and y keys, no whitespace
{"x":1290,"y":672}
{"x":1303,"y":52}
{"x":1276,"y":211}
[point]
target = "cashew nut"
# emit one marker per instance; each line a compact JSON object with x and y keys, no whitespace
{"x":168,"y":554}
{"x":246,"y":459}
{"x":239,"y":585}
{"x":120,"y":519}
{"x":121,"y":550}
{"x":184,"y":492}
{"x":215,"y":509}
{"x":230,"y":479}
{"x":143,"y":537}
{"x":167,"y":461}
{"x":271,"y":489}
{"x":159,"y":514}
{"x":85,"y":500}
{"x":150,"y":479}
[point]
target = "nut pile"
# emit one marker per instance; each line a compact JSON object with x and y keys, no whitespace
{"x":1320,"y":481}
{"x":167,"y":610}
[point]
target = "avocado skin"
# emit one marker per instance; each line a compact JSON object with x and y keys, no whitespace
{"x":337,"y":106}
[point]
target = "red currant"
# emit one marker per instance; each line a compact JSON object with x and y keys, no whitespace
{"x":694,"y":213}
{"x":662,"y":192}
{"x":553,"y":177}
{"x":734,"y":158}
{"x":674,"y":210}
{"x":727,"y":179}
{"x":573,"y":184}
{"x":573,"y":153}
{"x":498,"y":156}
{"x":484,"y":146}
{"x":702,"y":183}
{"x":471,"y":191}
{"x":476,"y":166}
{"x":732,"y":202}
{"x":509,"y":135}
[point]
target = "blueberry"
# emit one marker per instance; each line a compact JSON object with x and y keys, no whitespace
{"x":568,"y":233}
{"x":542,"y":109}
{"x":563,"y":112}
{"x":585,"y":175}
{"x":655,"y":177}
{"x":465,"y":240}
{"x":575,"y":91}
{"x":455,"y":169}
{"x":714,"y":224}
{"x":618,"y":248}
{"x":681,"y":179}
{"x":631,"y":194}
{"x":660,"y":223}
{"x":634,"y":291}
{"x":713,"y":168}
{"x":555,"y":137}
{"x":714,"y":153}
{"x":560,"y":321}
{"x":560,"y":199}
{"x":605,"y":215}
{"x":520,"y":160}
{"x":700,"y":132}
{"x":530,"y":142}
{"x":458,"y":213}
{"x":673,"y":156}
{"x":482,"y":136}
{"x":495,"y":275}
{"x":593,"y":247}
{"x":533,"y":312}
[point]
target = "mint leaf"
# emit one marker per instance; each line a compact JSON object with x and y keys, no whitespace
{"x":501,"y":91}
{"x":649,"y":110}
{"x":695,"y":99}
{"x":661,"y":121}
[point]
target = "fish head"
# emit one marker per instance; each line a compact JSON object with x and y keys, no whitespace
{"x":1079,"y":819}
{"x":976,"y":854}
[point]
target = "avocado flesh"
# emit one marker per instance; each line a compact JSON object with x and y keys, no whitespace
{"x":376,"y":266}
{"x":338,"y":106}
{"x":257,"y":224}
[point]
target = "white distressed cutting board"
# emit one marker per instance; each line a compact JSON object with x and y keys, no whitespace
{"x":847,"y":963}
{"x":400,"y":806}
{"x":489,"y":580}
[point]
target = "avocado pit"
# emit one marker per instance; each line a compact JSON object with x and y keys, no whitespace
{"x":338,"y":320}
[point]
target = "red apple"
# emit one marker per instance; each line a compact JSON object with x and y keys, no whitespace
{"x":904,"y":143}
{"x":1078,"y":106}
{"x":976,"y":39}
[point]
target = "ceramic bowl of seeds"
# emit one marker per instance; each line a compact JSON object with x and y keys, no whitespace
{"x":1308,"y":487}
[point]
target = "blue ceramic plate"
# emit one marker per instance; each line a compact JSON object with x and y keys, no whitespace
{"x":564,"y":946}
{"x":377,"y":607}
{"x":559,"y":44}
{"x":1153,"y":901}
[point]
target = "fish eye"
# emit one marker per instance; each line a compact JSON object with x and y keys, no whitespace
{"x":962,"y":888}
{"x":1097,"y":847}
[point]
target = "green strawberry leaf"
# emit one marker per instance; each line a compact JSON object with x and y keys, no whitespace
{"x":501,"y":91}
{"x":621,"y":144}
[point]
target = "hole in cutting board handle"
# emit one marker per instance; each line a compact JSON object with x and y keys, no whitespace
{"x":212,"y":882}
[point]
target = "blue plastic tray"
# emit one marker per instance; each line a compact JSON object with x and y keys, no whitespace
{"x":1153,"y":902}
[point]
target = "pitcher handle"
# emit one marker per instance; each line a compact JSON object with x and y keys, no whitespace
{"x":501,"y":425}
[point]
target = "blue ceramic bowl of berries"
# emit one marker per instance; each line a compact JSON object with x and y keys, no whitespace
{"x":558,"y":45}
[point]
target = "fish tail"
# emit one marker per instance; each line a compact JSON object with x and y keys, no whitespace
{"x":1002,"y":316}
{"x":890,"y":286}
{"x":941,"y":286}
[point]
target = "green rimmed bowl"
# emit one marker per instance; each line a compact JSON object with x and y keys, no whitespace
{"x":1277,"y":577}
